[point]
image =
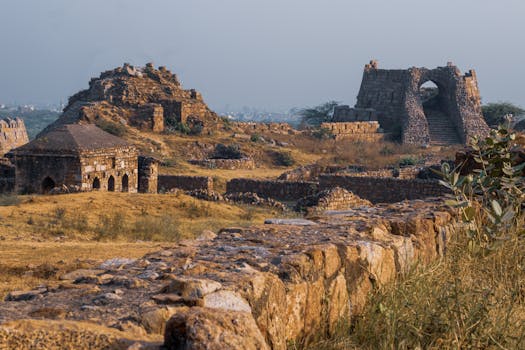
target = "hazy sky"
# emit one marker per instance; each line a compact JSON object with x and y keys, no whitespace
{"x":272,"y":54}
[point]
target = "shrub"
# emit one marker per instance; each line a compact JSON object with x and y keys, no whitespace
{"x":111,"y":226}
{"x":283,"y":159}
{"x":151,"y":228}
{"x":408,"y":161}
{"x":227,"y":152}
{"x":494,"y":113}
{"x":113,"y":128}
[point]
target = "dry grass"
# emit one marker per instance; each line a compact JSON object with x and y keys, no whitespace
{"x":41,"y":237}
{"x":90,"y":216}
{"x":467,"y":300}
{"x":25,"y":265}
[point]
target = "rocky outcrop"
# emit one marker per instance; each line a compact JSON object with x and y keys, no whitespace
{"x":143,"y":97}
{"x":255,"y":288}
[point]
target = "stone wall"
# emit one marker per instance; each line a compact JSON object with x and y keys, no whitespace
{"x":356,"y":131}
{"x":230,"y":164}
{"x":261,"y":128}
{"x":148,"y":174}
{"x":149,"y":117}
{"x":281,"y":190}
{"x":12,"y":134}
{"x":187,"y":183}
{"x":384,"y":190}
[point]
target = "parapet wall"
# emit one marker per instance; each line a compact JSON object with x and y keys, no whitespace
{"x":384,"y":190}
{"x":187,"y":183}
{"x":13,"y":134}
{"x":282,"y":190}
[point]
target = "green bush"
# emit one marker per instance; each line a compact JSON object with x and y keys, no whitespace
{"x":408,"y":161}
{"x":494,"y":113}
{"x":113,"y":128}
{"x":283,"y":159}
{"x":323,"y":134}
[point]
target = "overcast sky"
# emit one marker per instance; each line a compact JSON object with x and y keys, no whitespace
{"x":273,"y":54}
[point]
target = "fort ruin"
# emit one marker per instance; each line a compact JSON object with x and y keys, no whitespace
{"x":401,"y":100}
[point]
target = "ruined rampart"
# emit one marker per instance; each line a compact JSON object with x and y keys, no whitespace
{"x":229,"y":164}
{"x":383,"y":189}
{"x":187,"y":183}
{"x":281,"y":190}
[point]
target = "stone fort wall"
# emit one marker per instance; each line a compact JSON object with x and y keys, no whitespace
{"x":12,"y":134}
{"x":187,"y":183}
{"x":281,"y":190}
{"x":384,"y":190}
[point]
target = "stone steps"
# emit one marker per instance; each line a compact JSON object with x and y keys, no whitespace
{"x":441,"y":129}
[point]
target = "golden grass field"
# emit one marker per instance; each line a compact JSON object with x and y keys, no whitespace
{"x":42,"y":237}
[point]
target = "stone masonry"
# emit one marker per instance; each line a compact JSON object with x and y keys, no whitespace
{"x":367,"y":131}
{"x":12,"y":134}
{"x":450,"y":115}
{"x":80,"y":157}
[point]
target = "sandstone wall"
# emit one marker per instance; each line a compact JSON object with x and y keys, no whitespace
{"x":281,"y":190}
{"x":187,"y":183}
{"x":384,"y":190}
{"x":12,"y":134}
{"x":256,"y":128}
{"x":356,"y":131}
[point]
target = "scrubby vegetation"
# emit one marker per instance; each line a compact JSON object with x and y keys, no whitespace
{"x":473,"y":298}
{"x":494,"y":113}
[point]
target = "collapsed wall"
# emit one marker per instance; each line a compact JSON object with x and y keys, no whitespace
{"x":187,"y":183}
{"x":281,"y":190}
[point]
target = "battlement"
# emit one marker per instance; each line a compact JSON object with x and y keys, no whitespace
{"x":13,"y":134}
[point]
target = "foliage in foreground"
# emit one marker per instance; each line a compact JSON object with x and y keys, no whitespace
{"x":474,"y":297}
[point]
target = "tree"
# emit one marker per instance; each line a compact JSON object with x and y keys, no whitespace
{"x":319,"y":114}
{"x":494,"y":113}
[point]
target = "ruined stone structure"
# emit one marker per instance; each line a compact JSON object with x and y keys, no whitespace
{"x":148,"y":174}
{"x":81,"y":157}
{"x":332,"y":199}
{"x":446,"y":115}
{"x":384,"y":189}
{"x":12,"y":134}
{"x":367,"y":131}
{"x":144,"y":97}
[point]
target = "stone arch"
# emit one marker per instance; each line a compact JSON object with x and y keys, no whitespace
{"x":436,"y":107}
{"x":48,"y":184}
{"x":125,"y":183}
{"x":111,"y":184}
{"x":96,"y":183}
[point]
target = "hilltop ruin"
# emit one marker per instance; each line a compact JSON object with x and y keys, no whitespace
{"x":146,"y":98}
{"x":448,"y":113}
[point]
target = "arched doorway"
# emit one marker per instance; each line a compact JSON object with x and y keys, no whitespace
{"x":111,"y":184}
{"x":125,"y":183}
{"x":96,"y":183}
{"x":47,"y":185}
{"x":441,"y":128}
